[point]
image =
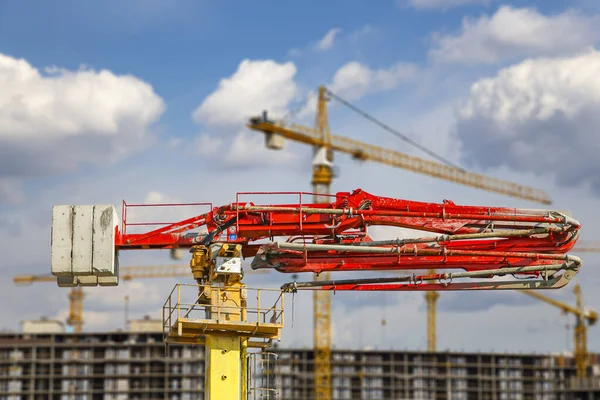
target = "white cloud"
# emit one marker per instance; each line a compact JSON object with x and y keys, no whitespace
{"x":539,"y":116}
{"x":327,"y":41}
{"x":54,"y":122}
{"x":517,"y":32}
{"x":333,"y":37}
{"x":248,"y":149}
{"x":443,"y":4}
{"x":244,"y":150}
{"x":257,"y":85}
{"x":353,"y":80}
{"x":139,"y":292}
{"x":70,"y":103}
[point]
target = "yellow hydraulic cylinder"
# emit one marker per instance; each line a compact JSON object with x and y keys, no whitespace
{"x":224,"y":372}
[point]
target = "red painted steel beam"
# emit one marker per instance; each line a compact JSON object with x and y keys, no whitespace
{"x":471,"y":238}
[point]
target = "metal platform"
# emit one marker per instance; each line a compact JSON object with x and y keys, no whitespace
{"x":191,"y":312}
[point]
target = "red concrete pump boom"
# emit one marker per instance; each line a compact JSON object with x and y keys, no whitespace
{"x":527,"y":247}
{"x":472,"y":247}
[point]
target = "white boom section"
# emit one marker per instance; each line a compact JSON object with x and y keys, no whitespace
{"x":83,"y":245}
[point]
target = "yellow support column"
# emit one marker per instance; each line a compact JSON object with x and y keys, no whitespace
{"x":224,"y":372}
{"x":217,"y":316}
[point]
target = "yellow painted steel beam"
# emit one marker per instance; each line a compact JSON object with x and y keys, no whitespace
{"x":224,"y":370}
{"x":591,"y":316}
{"x":364,"y":151}
{"x":431,"y":299}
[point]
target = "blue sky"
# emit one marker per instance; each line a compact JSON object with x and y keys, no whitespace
{"x":150,"y":98}
{"x":183,"y":48}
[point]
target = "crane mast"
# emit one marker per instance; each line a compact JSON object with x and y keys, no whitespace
{"x":321,"y":183}
{"x":431,"y":299}
{"x":75,"y":318}
{"x":581,"y":353}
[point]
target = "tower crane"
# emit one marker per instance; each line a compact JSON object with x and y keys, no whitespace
{"x":324,"y":144}
{"x":75,"y":318}
{"x":582,"y":315}
{"x":475,"y":246}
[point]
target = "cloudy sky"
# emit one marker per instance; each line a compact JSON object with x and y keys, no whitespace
{"x":146,"y":101}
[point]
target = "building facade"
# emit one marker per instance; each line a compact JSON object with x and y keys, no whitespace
{"x":441,"y":375}
{"x":134,"y":365}
{"x":92,"y":366}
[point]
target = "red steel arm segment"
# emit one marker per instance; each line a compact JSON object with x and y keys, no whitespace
{"x":482,"y":241}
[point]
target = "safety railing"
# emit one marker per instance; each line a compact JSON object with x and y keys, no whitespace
{"x":261,"y":376}
{"x":222,"y":308}
{"x":159,"y":211}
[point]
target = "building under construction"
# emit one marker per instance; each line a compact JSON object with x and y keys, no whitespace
{"x":44,"y":362}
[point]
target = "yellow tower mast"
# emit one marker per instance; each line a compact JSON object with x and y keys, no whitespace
{"x":431,"y":299}
{"x":321,"y":182}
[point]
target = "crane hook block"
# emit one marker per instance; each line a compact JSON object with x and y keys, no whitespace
{"x":83,"y":245}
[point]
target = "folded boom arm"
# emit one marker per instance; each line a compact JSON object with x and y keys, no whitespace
{"x":477,"y":242}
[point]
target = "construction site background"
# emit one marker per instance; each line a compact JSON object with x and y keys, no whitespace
{"x":132,"y":365}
